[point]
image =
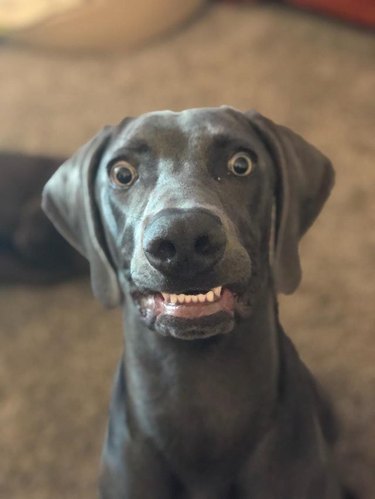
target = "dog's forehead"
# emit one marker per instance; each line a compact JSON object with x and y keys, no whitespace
{"x":181,"y":128}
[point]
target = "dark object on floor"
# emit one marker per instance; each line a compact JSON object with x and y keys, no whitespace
{"x":195,"y":218}
{"x":31,"y":250}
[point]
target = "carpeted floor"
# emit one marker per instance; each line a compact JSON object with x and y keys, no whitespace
{"x":58,"y":348}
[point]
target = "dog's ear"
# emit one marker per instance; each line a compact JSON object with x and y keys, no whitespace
{"x":305,"y":179}
{"x":68,"y":200}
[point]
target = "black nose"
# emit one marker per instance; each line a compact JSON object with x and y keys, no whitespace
{"x":184,"y":241}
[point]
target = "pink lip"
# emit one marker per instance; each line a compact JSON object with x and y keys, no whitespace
{"x":192,"y":310}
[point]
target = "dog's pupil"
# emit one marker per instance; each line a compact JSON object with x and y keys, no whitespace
{"x":124,"y":175}
{"x":241,"y":166}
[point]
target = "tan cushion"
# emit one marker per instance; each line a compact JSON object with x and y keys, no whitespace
{"x":107,"y":24}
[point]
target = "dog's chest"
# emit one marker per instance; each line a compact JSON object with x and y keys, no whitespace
{"x":193,"y":437}
{"x":199,"y":423}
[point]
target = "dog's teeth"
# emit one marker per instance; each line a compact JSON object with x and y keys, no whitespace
{"x":209,"y":297}
{"x":173,"y":298}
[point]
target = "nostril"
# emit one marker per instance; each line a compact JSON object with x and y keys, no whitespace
{"x":164,"y":250}
{"x":203,"y":245}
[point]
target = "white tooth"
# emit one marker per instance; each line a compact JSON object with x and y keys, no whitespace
{"x":194,"y":298}
{"x":166,"y":296}
{"x":210,"y":296}
{"x":217,"y":291}
{"x":181,"y":298}
{"x":173,"y":298}
{"x":188,"y":298}
{"x":202,"y":298}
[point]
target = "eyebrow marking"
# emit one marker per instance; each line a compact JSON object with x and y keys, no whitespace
{"x":222,"y":140}
{"x":137,"y":146}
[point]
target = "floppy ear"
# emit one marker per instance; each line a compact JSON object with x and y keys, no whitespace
{"x":305,"y":179}
{"x":68,"y":201}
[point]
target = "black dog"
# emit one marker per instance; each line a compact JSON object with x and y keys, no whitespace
{"x":192,"y":221}
{"x":31,"y":250}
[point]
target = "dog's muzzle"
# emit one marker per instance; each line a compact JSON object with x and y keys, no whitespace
{"x":186,"y":246}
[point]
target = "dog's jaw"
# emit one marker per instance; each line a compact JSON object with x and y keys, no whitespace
{"x":183,"y":317}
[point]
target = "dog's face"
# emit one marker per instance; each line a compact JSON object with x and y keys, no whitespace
{"x":174,"y":212}
{"x":185,"y":201}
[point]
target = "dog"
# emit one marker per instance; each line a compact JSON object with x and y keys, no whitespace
{"x":191,"y":222}
{"x":31,"y":250}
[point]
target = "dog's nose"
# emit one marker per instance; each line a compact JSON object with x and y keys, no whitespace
{"x":184,"y":241}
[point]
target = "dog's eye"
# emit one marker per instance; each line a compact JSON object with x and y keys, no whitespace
{"x":241,"y":164}
{"x":123,"y":174}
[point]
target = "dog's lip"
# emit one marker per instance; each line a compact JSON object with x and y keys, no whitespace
{"x":215,"y":300}
{"x":223,"y":303}
{"x":194,"y":328}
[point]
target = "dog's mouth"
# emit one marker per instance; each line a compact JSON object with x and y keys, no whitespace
{"x":190,"y":315}
{"x":195,"y":304}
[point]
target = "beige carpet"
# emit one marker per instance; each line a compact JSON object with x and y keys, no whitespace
{"x":58,"y":348}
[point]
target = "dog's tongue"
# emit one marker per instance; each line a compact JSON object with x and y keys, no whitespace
{"x":190,"y":310}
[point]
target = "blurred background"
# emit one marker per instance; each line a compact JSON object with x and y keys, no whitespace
{"x":70,"y":67}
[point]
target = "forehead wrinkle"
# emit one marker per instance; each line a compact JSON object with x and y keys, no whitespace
{"x":160,"y":135}
{"x":207,"y":130}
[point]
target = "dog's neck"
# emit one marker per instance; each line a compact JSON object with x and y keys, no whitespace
{"x":236,"y":373}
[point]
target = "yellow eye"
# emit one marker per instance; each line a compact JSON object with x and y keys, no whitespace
{"x":123,"y":174}
{"x":241,"y":164}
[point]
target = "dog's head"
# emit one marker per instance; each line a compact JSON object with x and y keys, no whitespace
{"x":177,"y":212}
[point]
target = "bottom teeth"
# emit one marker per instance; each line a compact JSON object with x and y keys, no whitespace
{"x":210,"y":296}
